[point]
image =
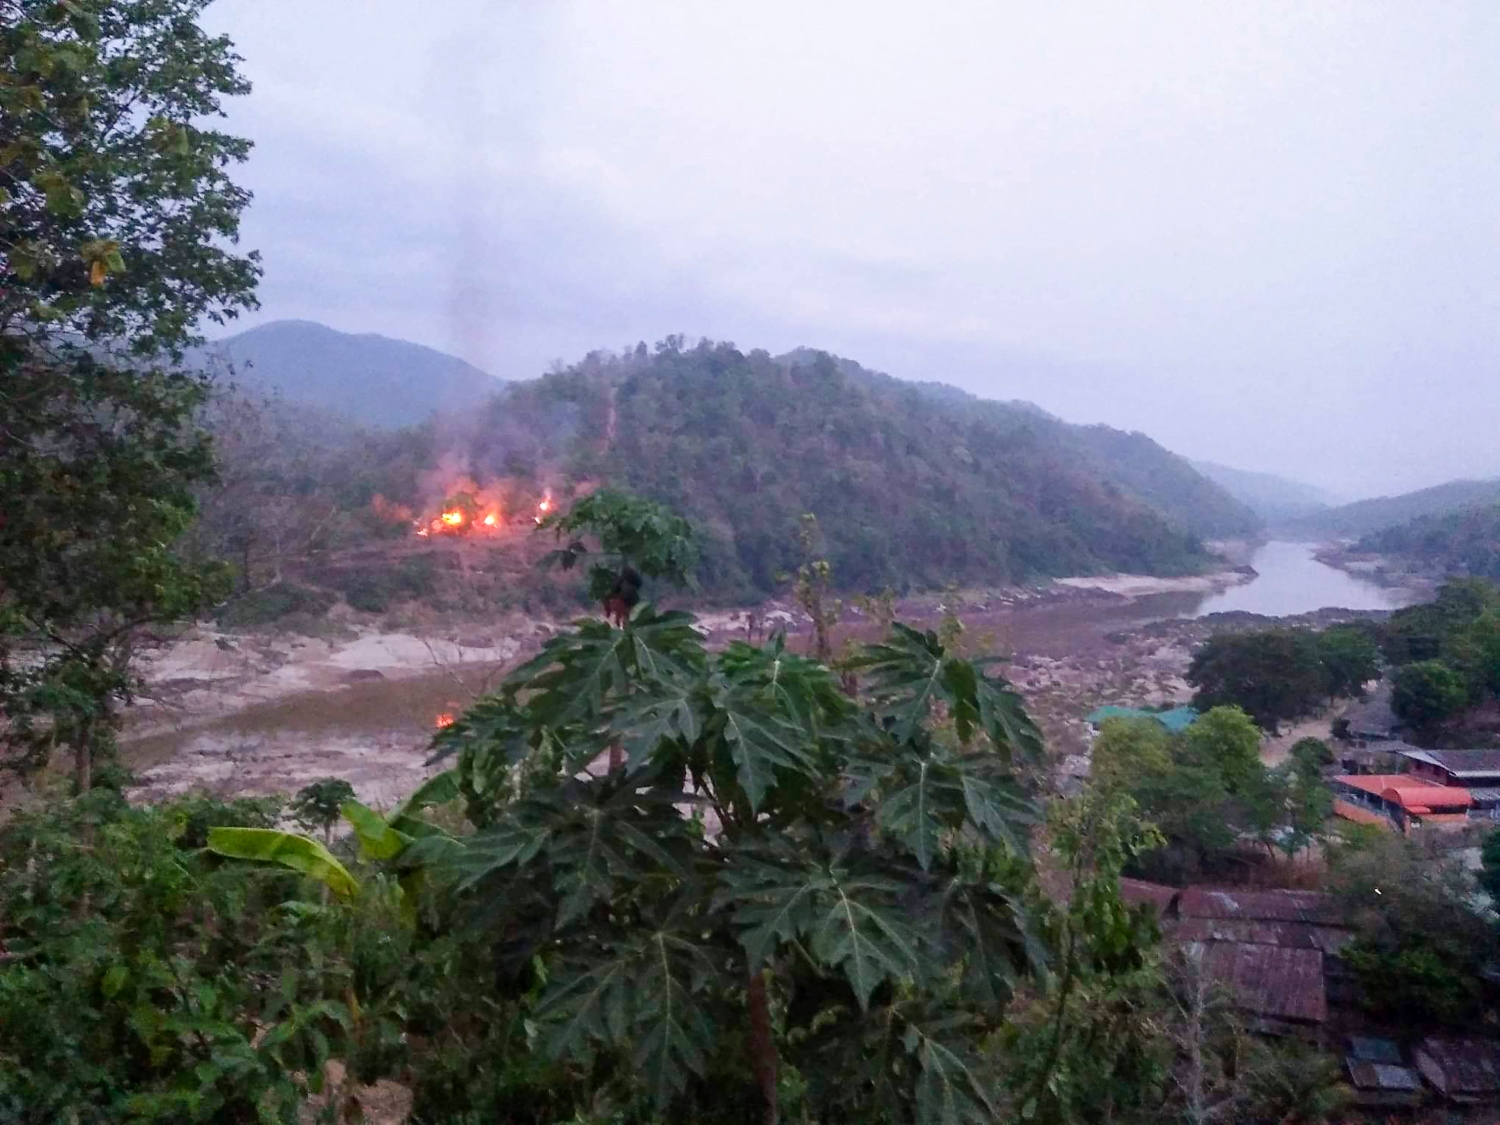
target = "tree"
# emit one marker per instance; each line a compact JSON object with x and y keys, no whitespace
{"x":1420,"y":944}
{"x":1489,"y":866}
{"x":860,"y":871}
{"x":320,"y":803}
{"x":1226,"y":740}
{"x":1127,"y":752}
{"x":1276,"y":675}
{"x":116,"y":217}
{"x":1311,"y":755}
{"x":119,"y":212}
{"x":1427,"y":693}
{"x":635,"y":536}
{"x":1350,"y":660}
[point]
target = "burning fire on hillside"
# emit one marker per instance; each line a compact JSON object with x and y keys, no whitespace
{"x":468,"y":513}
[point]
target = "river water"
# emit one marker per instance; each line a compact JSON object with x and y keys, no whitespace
{"x":1290,"y":581}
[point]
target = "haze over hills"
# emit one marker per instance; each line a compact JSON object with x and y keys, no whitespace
{"x":913,"y":486}
{"x":1350,"y":521}
{"x":370,"y":379}
{"x":1270,"y":496}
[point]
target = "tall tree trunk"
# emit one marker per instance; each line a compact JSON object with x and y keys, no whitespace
{"x":763,"y":1046}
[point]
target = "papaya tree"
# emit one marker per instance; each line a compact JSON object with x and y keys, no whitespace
{"x":635,"y":538}
{"x":784,"y":898}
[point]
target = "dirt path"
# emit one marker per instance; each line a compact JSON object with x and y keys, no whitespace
{"x":1274,"y":751}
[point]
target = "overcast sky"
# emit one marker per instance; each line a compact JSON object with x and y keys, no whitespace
{"x":1266,"y":234}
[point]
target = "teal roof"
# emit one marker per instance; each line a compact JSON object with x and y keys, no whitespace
{"x":1176,"y":720}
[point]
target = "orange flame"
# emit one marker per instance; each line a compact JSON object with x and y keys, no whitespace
{"x":491,"y":520}
{"x":444,"y":719}
{"x":543,"y":508}
{"x":454,"y":518}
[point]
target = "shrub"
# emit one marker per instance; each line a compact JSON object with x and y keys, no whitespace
{"x":273,"y":603}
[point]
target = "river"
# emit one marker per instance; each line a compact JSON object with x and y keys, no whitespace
{"x":1289,"y":580}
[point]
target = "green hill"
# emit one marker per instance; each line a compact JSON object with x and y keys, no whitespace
{"x":1364,"y":517}
{"x":912,"y":487}
{"x":1463,"y":542}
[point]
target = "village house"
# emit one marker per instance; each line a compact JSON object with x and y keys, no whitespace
{"x":1477,"y":771}
{"x":1176,"y":720}
{"x":1401,"y":801}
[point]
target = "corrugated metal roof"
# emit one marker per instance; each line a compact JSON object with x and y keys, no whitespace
{"x":1459,"y":763}
{"x":1408,"y":792}
{"x":1464,"y":1067}
{"x":1383,"y":1076}
{"x":1288,"y":935}
{"x":1175,"y":720}
{"x":1268,"y":906}
{"x":1367,"y":1049}
{"x":1267,"y":980}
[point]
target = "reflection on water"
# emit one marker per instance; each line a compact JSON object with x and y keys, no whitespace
{"x":1289,"y":581}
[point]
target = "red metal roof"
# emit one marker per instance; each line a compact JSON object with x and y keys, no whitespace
{"x":1269,"y":980}
{"x":1408,"y":792}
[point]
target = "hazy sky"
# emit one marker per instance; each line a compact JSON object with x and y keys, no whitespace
{"x":1266,"y":234}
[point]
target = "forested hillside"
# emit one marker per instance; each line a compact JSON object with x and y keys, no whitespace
{"x":1463,"y":542}
{"x":911,"y":488}
{"x":1164,"y":480}
{"x":1366,"y":516}
{"x":369,"y":379}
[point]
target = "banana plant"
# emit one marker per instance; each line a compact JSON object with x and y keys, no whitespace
{"x":771,"y":870}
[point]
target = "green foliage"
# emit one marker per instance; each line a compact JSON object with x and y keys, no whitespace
{"x":1279,"y":675}
{"x":118,"y":208}
{"x":270,"y":845}
{"x":139,"y":969}
{"x":1206,"y":788}
{"x":1489,"y":866}
{"x":115,"y":219}
{"x":274,"y":603}
{"x":872,"y":861}
{"x":1311,"y":755}
{"x":1463,"y":541}
{"x":1420,"y":944}
{"x":318,"y":804}
{"x":1427,"y":693}
{"x":1350,"y":659}
{"x":631,"y":532}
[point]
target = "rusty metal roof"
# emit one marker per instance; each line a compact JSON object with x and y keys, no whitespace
{"x":1268,"y":980}
{"x":1138,"y":891}
{"x":1267,"y":906}
{"x":1467,"y":1067}
{"x":1288,"y":935}
{"x":1460,"y":763}
{"x":1409,"y":792}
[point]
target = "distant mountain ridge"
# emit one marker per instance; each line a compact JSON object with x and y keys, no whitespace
{"x":370,"y":379}
{"x":1363,"y":517}
{"x":1270,"y":496}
